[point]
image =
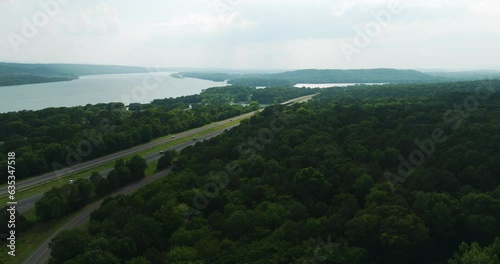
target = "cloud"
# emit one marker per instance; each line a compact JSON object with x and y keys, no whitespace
{"x":257,"y":33}
{"x":485,"y":7}
{"x":341,"y":7}
{"x":101,"y":19}
{"x":206,"y":23}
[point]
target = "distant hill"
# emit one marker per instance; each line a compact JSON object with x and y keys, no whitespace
{"x":466,"y":75}
{"x":318,"y":76}
{"x":20,"y":73}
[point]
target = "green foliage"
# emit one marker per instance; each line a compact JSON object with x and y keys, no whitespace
{"x":475,"y":254}
{"x":56,"y":138}
{"x":137,"y":166}
{"x":166,"y":159}
{"x":318,"y":76}
{"x":61,"y":200}
{"x":68,"y":244}
{"x":306,"y":183}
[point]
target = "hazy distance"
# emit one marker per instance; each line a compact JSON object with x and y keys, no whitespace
{"x":243,"y":34}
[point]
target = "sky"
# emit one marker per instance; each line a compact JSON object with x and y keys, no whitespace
{"x":254,"y":34}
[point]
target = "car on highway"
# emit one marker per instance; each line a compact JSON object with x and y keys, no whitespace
{"x":173,"y":136}
{"x":195,"y":138}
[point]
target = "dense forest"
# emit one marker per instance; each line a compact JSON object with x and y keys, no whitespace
{"x":54,"y":138}
{"x":382,"y":174}
{"x":318,"y":76}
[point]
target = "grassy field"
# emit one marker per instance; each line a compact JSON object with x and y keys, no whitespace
{"x":41,"y":188}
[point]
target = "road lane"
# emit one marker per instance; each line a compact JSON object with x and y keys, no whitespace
{"x":42,"y":253}
{"x":53,"y":175}
{"x":29,"y":203}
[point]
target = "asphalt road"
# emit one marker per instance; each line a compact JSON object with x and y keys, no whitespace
{"x":29,"y":203}
{"x":32,"y":181}
{"x":42,"y":253}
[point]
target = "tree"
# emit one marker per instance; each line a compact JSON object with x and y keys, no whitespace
{"x":138,"y":260}
{"x":123,"y":172}
{"x":95,"y":257}
{"x":95,"y":178}
{"x":311,"y":182}
{"x":182,"y":255}
{"x":146,"y":133}
{"x":68,"y":244}
{"x":137,"y":166}
{"x":123,"y":248}
{"x":52,"y":205}
{"x":113,"y":180}
{"x":474,"y":254}
{"x":166,"y":160}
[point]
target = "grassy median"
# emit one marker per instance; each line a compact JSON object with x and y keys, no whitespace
{"x":41,"y":188}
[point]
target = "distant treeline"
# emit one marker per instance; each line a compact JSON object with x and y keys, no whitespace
{"x":318,"y":76}
{"x":20,"y":73}
{"x":29,"y":79}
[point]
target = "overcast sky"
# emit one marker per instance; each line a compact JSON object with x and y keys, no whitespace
{"x":253,"y":34}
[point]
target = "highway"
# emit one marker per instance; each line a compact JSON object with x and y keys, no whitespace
{"x":53,"y":175}
{"x":29,"y":203}
{"x":35,"y":180}
{"x":42,"y":253}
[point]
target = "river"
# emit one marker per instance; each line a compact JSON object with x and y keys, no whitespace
{"x":93,"y":89}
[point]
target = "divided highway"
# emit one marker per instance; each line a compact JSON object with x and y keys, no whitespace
{"x":29,"y":203}
{"x":42,"y":253}
{"x":24,"y":184}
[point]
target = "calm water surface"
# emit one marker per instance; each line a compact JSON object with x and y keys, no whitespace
{"x":92,"y":89}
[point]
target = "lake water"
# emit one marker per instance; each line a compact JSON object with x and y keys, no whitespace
{"x":93,"y":89}
{"x":326,"y":85}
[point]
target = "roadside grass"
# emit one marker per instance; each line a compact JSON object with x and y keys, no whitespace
{"x":185,"y":139}
{"x":151,"y":169}
{"x":30,"y":215}
{"x":28,"y":241}
{"x":44,"y":187}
